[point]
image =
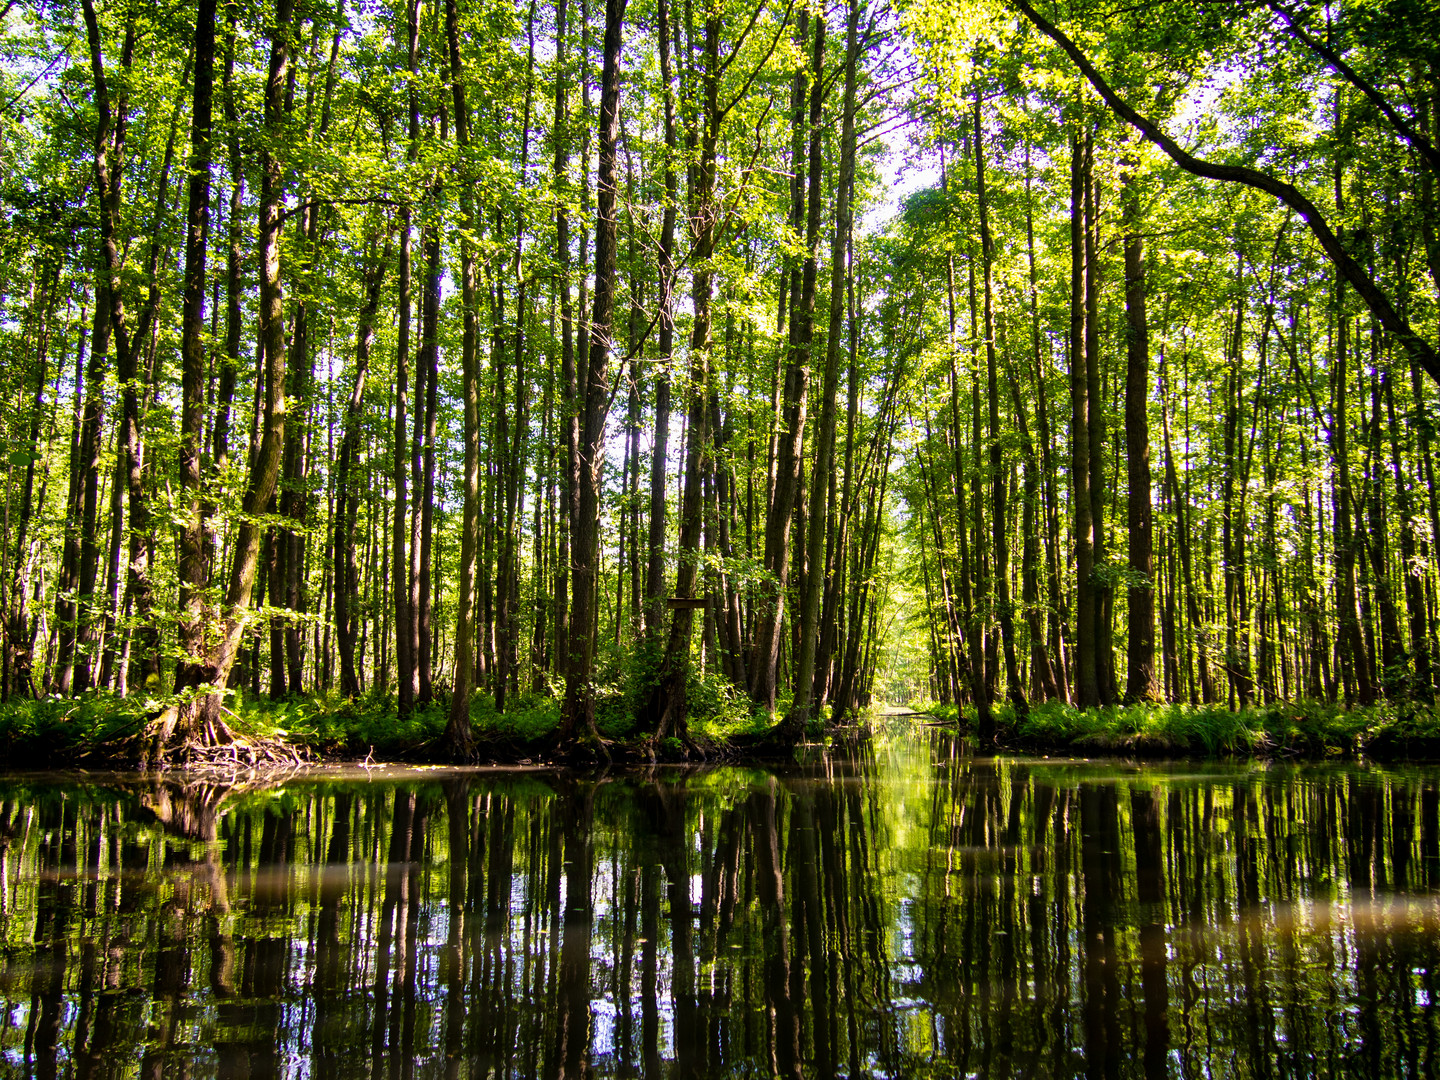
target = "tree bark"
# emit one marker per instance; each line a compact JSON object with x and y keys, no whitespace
{"x":579,"y":706}
{"x":459,"y":739}
{"x":176,"y":728}
{"x":822,"y":470}
{"x":804,"y":209}
{"x":193,"y":559}
{"x":1140,"y":682}
{"x":1087,"y":683}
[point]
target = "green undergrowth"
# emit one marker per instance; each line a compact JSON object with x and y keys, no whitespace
{"x":39,"y":732}
{"x":100,"y":728}
{"x":1304,"y":729}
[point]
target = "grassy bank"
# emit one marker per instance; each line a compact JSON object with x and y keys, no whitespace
{"x":1389,"y":730}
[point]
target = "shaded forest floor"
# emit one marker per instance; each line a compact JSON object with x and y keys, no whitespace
{"x":99,"y":730}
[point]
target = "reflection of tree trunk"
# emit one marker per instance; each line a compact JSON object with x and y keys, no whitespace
{"x":1099,"y":857}
{"x":575,"y":808}
{"x":811,"y":951}
{"x":784,"y":1018}
{"x":329,"y":1039}
{"x":47,"y":1004}
{"x":172,"y":973}
{"x":499,"y":872}
{"x":452,"y":966}
{"x":1150,"y":895}
{"x":409,"y":916}
{"x":267,"y":964}
{"x":649,"y":968}
{"x":401,"y":823}
{"x":675,"y":848}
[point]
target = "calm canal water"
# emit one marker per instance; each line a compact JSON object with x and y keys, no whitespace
{"x":903,"y":911}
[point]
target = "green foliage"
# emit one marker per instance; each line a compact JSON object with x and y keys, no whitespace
{"x":528,"y":718}
{"x":330,"y":724}
{"x":719,"y":709}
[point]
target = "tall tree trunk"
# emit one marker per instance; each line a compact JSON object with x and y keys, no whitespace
{"x":823,"y":468}
{"x":1411,"y":570}
{"x":804,"y":210}
{"x":193,"y":558}
{"x":1087,"y":681}
{"x":109,"y":159}
{"x":66,"y":613}
{"x":347,"y":479}
{"x":569,"y":405}
{"x":1390,"y":677}
{"x":1055,"y":610}
{"x":407,"y":682}
{"x":655,"y":539}
{"x":669,"y":705}
{"x":1353,"y":657}
{"x":202,"y":723}
{"x":127,"y":348}
{"x":1140,"y":682}
{"x":579,"y":707}
{"x":459,"y":738}
{"x":426,"y":421}
{"x":1102,"y":591}
{"x":999,"y":513}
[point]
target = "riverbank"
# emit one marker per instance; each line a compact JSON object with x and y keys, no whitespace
{"x":1388,"y":731}
{"x":99,"y":730}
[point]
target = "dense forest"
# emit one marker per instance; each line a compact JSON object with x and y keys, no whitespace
{"x":461,"y":354}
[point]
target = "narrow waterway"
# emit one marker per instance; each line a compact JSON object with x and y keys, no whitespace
{"x":901,"y":911}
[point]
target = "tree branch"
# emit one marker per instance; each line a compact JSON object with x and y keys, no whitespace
{"x":1415,"y":138}
{"x":1420,"y":350}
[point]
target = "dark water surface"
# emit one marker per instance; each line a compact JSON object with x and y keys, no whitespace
{"x":904,"y":911}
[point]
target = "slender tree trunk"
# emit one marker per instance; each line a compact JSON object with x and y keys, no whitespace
{"x":1087,"y":681}
{"x":804,"y":208}
{"x":1140,"y":682}
{"x":569,"y":405}
{"x":1391,"y":678}
{"x":204,"y":725}
{"x":822,"y":471}
{"x":458,"y":735}
{"x":579,"y":707}
{"x":655,"y":540}
{"x":407,"y":684}
{"x":1101,"y":590}
{"x":193,"y":557}
{"x":66,"y":608}
{"x":347,"y":496}
{"x":109,"y":159}
{"x":999,"y":513}
{"x":1411,"y":570}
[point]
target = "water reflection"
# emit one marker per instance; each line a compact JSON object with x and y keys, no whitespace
{"x":907,"y":912}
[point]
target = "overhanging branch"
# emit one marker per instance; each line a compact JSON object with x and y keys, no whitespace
{"x":1420,"y":350}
